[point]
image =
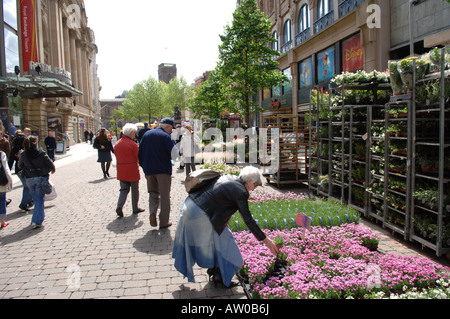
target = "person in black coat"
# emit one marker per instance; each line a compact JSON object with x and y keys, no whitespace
{"x":104,"y":146}
{"x":50,"y":144}
{"x":36,"y":167}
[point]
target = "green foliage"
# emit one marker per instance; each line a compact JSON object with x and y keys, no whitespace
{"x":246,"y":60}
{"x":211,"y":98}
{"x":150,"y":99}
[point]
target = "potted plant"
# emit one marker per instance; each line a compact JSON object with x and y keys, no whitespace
{"x":405,"y":68}
{"x":394,"y":75}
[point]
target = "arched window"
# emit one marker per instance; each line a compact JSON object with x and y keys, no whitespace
{"x":275,"y":44}
{"x":303,"y":18}
{"x":287,"y":32}
{"x":323,"y":7}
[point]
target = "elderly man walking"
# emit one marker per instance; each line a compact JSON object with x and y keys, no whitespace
{"x":155,"y":154}
{"x":126,"y":151}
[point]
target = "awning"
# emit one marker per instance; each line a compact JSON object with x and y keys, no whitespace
{"x":37,"y":87}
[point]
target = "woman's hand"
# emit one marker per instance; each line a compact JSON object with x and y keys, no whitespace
{"x":271,"y":245}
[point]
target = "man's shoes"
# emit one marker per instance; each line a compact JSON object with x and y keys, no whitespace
{"x":140,"y":210}
{"x":24,"y":208}
{"x":119,"y":212}
{"x":153,"y":221}
{"x":168,"y":225}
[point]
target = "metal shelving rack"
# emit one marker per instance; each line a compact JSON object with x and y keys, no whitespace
{"x":384,"y":153}
{"x":319,"y":145}
{"x":439,"y":115}
{"x":397,"y":166}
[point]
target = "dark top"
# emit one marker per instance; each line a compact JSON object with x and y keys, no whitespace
{"x":221,"y":198}
{"x":106,"y":143}
{"x":35,"y":163}
{"x":155,"y":152}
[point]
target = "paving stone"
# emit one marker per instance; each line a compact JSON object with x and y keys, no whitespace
{"x":85,"y":251}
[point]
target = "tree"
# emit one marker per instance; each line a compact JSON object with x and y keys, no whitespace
{"x":145,"y":100}
{"x":210,"y":98}
{"x":246,"y":59}
{"x":178,"y":93}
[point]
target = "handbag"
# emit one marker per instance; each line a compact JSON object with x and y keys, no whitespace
{"x":196,"y":179}
{"x":46,"y":187}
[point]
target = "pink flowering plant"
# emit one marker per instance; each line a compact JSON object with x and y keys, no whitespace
{"x":332,"y":262}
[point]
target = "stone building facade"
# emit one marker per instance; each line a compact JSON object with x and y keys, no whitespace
{"x":319,"y":39}
{"x":57,"y":85}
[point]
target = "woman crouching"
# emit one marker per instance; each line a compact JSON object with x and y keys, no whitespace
{"x":202,"y":235}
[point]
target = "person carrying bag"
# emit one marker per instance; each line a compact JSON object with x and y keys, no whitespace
{"x":36,"y":166}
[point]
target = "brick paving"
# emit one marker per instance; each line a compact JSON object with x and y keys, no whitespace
{"x":83,"y":251}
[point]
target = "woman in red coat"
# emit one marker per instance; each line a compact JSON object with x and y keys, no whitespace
{"x":126,"y":151}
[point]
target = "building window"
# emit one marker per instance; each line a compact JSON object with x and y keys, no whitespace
{"x":303,"y":18}
{"x":287,"y":34}
{"x":323,"y":7}
{"x":11,"y":36}
{"x":275,"y":44}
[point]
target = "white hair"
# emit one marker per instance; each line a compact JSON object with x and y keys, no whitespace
{"x":250,"y":173}
{"x":129,"y":128}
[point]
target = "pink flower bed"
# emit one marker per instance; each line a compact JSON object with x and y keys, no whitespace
{"x":330,"y":263}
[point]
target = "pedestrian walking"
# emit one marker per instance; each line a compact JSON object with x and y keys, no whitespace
{"x":202,"y":235}
{"x":16,"y":149}
{"x":5,"y":146}
{"x":86,"y":136}
{"x":189,"y":147}
{"x":91,"y":137}
{"x":142,"y":131}
{"x":4,"y":189}
{"x":50,"y":144}
{"x":36,"y":167}
{"x":126,"y":152}
{"x":104,"y":146}
{"x":155,"y":155}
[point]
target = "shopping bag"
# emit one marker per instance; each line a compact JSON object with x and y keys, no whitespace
{"x":52,"y":195}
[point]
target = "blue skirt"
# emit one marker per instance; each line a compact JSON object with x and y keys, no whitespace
{"x":196,"y":241}
{"x":104,"y":157}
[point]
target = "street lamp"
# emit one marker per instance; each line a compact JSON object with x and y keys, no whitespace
{"x":411,"y":29}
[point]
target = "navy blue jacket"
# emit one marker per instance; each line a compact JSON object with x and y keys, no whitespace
{"x":155,"y":152}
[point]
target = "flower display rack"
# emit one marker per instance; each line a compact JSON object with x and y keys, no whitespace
{"x":407,"y":159}
{"x":430,"y":164}
{"x":294,"y":148}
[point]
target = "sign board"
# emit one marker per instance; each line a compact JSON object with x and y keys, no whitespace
{"x":28,"y":24}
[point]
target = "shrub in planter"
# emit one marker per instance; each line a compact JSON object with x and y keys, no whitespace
{"x":396,"y":80}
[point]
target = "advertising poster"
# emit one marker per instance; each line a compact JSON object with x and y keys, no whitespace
{"x":325,"y":65}
{"x":28,"y":23}
{"x":353,"y":54}
{"x":305,"y":73}
{"x":287,"y":85}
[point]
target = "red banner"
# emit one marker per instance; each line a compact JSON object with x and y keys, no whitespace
{"x":28,"y":23}
{"x":353,"y":54}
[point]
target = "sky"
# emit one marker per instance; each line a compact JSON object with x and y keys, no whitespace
{"x":135,"y":36}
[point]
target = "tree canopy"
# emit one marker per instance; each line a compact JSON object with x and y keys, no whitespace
{"x":246,"y":60}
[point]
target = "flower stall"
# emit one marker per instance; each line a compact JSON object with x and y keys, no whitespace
{"x":335,"y":263}
{"x":382,"y":146}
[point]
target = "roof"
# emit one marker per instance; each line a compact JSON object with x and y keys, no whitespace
{"x":37,"y":87}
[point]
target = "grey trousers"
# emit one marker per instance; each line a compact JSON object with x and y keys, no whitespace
{"x":159,"y":189}
{"x":123,"y":194}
